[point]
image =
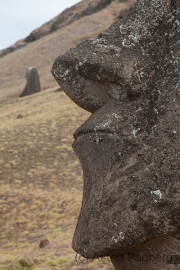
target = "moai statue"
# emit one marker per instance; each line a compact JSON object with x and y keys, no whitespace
{"x":33,"y":84}
{"x":129,"y":148}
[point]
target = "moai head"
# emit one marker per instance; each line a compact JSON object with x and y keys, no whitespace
{"x":129,"y":148}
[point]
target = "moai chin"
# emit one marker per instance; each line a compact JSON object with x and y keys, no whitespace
{"x":129,"y":148}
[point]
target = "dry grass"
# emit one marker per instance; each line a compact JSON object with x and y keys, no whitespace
{"x":40,"y":176}
{"x":41,"y":181}
{"x":42,"y":53}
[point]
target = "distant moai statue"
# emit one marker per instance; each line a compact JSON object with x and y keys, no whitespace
{"x":33,"y":83}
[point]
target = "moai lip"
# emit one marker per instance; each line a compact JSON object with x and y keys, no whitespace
{"x":129,"y":148}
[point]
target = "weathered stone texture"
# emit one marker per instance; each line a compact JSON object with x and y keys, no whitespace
{"x":130,"y":146}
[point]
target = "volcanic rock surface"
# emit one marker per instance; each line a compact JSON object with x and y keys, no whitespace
{"x":128,"y":78}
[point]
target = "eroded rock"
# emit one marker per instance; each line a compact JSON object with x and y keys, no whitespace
{"x":129,"y":148}
{"x":33,"y":83}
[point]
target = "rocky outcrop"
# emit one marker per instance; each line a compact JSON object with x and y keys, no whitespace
{"x":33,"y":83}
{"x":68,"y":16}
{"x":128,"y":78}
{"x":18,"y":45}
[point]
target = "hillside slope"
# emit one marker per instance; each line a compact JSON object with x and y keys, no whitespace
{"x":43,"y":51}
{"x":68,"y":16}
{"x":40,"y":176}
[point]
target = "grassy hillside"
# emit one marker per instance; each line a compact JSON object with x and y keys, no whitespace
{"x":40,"y":176}
{"x":41,"y":181}
{"x":43,"y":52}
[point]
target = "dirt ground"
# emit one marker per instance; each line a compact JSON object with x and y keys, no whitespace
{"x":41,"y":183}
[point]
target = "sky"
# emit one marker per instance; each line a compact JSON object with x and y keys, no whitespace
{"x":18,"y":18}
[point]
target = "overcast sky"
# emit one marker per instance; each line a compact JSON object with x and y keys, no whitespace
{"x":20,"y":17}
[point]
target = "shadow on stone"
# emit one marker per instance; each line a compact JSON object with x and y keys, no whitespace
{"x":33,"y":83}
{"x":129,"y":148}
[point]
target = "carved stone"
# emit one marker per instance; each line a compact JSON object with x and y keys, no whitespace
{"x":129,"y":148}
{"x":33,"y":84}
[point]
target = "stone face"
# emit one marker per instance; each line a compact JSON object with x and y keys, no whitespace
{"x":33,"y":83}
{"x":129,"y":148}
